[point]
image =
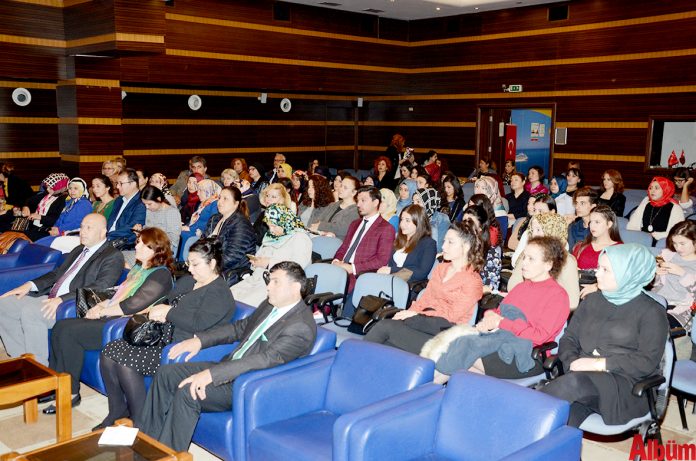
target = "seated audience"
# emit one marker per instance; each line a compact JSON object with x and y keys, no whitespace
{"x":414,"y":250}
{"x":423,"y":179}
{"x":604,"y":232}
{"x":574,"y":177}
{"x":383,"y":174}
{"x":432,"y":167}
{"x":208,"y":193}
{"x":615,"y":338}
{"x":337,"y":182}
{"x":337,"y":216}
{"x":250,"y":198}
{"x":429,"y":199}
{"x":542,"y":204}
{"x":531,"y":314}
{"x":286,"y":240}
{"x":29,"y":311}
{"x":676,"y":273}
{"x":147,"y":283}
{"x":196,"y":304}
{"x":387,"y":208}
{"x":160,"y":181}
{"x":488,"y":186}
{"x":274,"y":194}
{"x":517,"y":199}
{"x":449,"y":299}
{"x":484,"y":168}
{"x":493,"y":224}
{"x":180,"y":392}
{"x":102,"y":189}
{"x":128,"y":211}
{"x":239,"y":165}
{"x":553,"y":225}
{"x":258,"y":178}
{"x":490,"y":272}
{"x":299,"y":186}
{"x":159,"y":214}
{"x":611,"y":193}
{"x":44,"y":208}
{"x":521,"y":225}
{"x":197,"y":165}
{"x":508,"y":171}
{"x":584,"y":199}
{"x":535,"y":181}
{"x":77,"y":206}
{"x":231,"y":227}
{"x":454,"y":197}
{"x":683,"y":182}
{"x":317,"y":198}
{"x":658,"y":212}
{"x":189,"y":202}
{"x":228,"y":177}
{"x":564,"y":201}
{"x":143,"y":178}
{"x":14,"y":190}
{"x":368,"y":243}
{"x":406,"y":189}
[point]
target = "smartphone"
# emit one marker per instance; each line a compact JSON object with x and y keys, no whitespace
{"x":659,"y":259}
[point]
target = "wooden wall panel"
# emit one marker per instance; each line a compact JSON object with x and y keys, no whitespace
{"x":43,"y":102}
{"x":25,"y":19}
{"x":20,"y":137}
{"x":89,"y":19}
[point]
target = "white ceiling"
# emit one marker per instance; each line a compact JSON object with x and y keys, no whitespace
{"x":422,"y":9}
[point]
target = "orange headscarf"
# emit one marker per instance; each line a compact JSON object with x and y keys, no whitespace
{"x":667,"y":187}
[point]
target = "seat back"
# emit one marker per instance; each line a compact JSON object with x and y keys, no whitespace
{"x":382,"y":285}
{"x":17,"y":246}
{"x":642,"y":238}
{"x":622,"y":223}
{"x":242,"y":311}
{"x":37,"y":254}
{"x":363,"y":373}
{"x":667,"y":367}
{"x":330,"y":278}
{"x":498,"y":417}
{"x":325,"y":341}
{"x":326,"y":247}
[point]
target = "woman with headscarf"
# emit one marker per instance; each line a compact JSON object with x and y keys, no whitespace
{"x":286,"y":240}
{"x":564,"y":202}
{"x":160,"y":181}
{"x":406,"y":189}
{"x":44,"y":208}
{"x":552,"y":225}
{"x":615,"y":338}
{"x":439,"y":222}
{"x":658,"y":212}
{"x":189,"y":199}
{"x":488,"y":186}
{"x":77,"y":206}
{"x":208,"y":194}
{"x":387,"y":208}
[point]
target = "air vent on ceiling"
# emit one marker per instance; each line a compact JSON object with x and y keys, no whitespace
{"x":372,"y":10}
{"x":558,"y":13}
{"x":330,"y":4}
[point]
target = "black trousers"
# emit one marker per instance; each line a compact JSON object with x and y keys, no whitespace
{"x":409,"y":335}
{"x":69,"y":340}
{"x":580,"y":391}
{"x":170,"y":414}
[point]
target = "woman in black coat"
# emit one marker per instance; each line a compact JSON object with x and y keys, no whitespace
{"x":196,"y":304}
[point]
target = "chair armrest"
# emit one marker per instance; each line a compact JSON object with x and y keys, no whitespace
{"x":9,"y":261}
{"x":646,"y":384}
{"x":417,"y":286}
{"x":285,"y":395}
{"x":209,"y":354}
{"x":541,"y":352}
{"x":400,"y":427}
{"x":66,"y":310}
{"x":311,"y":299}
{"x":239,"y":391}
{"x":563,"y":444}
{"x":330,"y":298}
{"x":113,"y":330}
{"x":13,"y":277}
{"x":552,"y":363}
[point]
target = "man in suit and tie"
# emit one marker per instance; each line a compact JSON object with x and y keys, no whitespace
{"x":25,"y":320}
{"x":128,"y":209}
{"x":368,"y":244}
{"x":280,"y":330}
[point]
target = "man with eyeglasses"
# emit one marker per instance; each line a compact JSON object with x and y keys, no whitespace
{"x":128,"y":211}
{"x":281,"y":329}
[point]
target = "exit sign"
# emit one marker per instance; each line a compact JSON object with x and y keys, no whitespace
{"x":514,"y":89}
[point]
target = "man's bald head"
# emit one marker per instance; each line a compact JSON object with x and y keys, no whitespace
{"x":92,"y":229}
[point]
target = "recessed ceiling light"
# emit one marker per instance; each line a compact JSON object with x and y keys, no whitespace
{"x":476,"y":7}
{"x":438,"y":8}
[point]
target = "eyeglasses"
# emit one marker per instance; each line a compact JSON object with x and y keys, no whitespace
{"x":121,"y":183}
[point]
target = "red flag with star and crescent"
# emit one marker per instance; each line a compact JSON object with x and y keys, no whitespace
{"x":672,"y":159}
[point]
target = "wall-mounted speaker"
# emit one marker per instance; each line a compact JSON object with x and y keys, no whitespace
{"x":360,"y":102}
{"x":561,"y":137}
{"x":285,"y":105}
{"x":21,"y":97}
{"x":263,"y":98}
{"x":123,"y":95}
{"x":195,"y":102}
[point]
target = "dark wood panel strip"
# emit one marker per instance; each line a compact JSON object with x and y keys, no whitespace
{"x":235,"y":150}
{"x":251,"y":94}
{"x":603,"y":157}
{"x":466,"y":152}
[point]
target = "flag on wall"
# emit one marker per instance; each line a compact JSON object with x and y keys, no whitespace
{"x":672,"y":159}
{"x":510,"y":142}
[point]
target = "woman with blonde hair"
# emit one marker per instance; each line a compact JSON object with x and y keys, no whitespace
{"x":387,"y":208}
{"x":228,"y":177}
{"x":274,"y":194}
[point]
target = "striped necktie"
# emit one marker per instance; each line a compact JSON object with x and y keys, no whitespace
{"x":68,"y":273}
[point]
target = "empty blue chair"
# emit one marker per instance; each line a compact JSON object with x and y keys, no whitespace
{"x":640,"y":237}
{"x":326,"y":247}
{"x":684,"y":381}
{"x":307,"y":413}
{"x":475,"y":418}
{"x":25,"y":261}
{"x":330,"y":291}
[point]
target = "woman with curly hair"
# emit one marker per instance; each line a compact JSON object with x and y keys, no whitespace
{"x":383,"y":174}
{"x":449,"y":299}
{"x":318,"y":197}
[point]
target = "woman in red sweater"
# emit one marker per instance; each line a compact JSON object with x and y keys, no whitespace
{"x":449,"y":299}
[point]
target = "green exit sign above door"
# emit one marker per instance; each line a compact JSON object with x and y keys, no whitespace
{"x":514,"y":89}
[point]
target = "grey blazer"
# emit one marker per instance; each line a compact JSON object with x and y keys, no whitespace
{"x":340,"y":220}
{"x":101,"y":271}
{"x":291,"y":337}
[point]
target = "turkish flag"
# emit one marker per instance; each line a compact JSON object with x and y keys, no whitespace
{"x":672,"y":161}
{"x":510,"y":142}
{"x":682,"y":159}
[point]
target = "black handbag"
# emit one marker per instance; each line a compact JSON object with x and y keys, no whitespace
{"x":122,"y":244}
{"x":140,"y":331}
{"x":87,"y":298}
{"x":370,"y":310}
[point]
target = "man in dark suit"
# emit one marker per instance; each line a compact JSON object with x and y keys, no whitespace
{"x":368,"y":244}
{"x":280,"y":330}
{"x":25,"y":320}
{"x":128,"y":210}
